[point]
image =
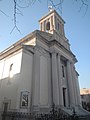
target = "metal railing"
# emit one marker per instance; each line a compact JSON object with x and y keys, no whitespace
{"x":54,"y":114}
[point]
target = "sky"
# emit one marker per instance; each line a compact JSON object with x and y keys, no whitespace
{"x":77,"y":29}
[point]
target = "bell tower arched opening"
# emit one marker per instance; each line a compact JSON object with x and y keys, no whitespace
{"x":52,"y":23}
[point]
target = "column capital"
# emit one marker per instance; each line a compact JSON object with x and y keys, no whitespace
{"x":53,"y":50}
{"x":59,"y":54}
{"x":69,"y":61}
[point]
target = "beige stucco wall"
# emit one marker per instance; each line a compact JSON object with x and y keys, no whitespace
{"x":25,"y":79}
{"x":9,"y":86}
{"x":44,"y":81}
{"x":14,"y":59}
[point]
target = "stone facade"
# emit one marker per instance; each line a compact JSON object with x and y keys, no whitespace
{"x":39,"y":70}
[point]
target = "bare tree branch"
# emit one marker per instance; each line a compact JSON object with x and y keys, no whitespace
{"x":57,"y":4}
{"x":4,"y":13}
{"x":15,"y":17}
{"x":20,"y":2}
{"x":84,"y":4}
{"x":17,"y":7}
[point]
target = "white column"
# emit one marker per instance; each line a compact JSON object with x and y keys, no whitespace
{"x":78,"y":92}
{"x":74,"y":83}
{"x":55,"y":85}
{"x":36,"y":80}
{"x":76,"y":86}
{"x":70,"y":85}
{"x":42,"y":26}
{"x":54,"y":22}
{"x":60,"y":80}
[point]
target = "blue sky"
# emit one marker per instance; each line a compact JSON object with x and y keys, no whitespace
{"x":77,"y":30}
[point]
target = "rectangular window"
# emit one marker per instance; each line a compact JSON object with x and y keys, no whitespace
{"x":24,"y":99}
{"x":63,"y":71}
{"x":64,"y":97}
{"x":5,"y":106}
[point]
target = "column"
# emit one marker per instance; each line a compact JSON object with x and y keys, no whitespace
{"x":60,"y":81}
{"x":55,"y":88}
{"x":78,"y":92}
{"x":54,"y":22}
{"x":77,"y":87}
{"x":36,"y":81}
{"x":74,"y":83}
{"x":42,"y":26}
{"x":70,"y":85}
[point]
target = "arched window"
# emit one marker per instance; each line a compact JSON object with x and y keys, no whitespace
{"x":11,"y":71}
{"x":11,"y":67}
{"x":48,"y":26}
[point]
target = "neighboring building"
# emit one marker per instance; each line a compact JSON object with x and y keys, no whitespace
{"x":39,"y":70}
{"x":85,"y":98}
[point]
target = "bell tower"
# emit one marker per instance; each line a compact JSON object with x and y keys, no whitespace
{"x":52,"y":23}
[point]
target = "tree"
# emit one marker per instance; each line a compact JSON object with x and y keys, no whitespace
{"x":56,"y":4}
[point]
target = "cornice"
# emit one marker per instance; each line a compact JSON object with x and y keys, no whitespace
{"x":53,"y":11}
{"x":9,"y":52}
{"x":55,"y":42}
{"x":17,"y":46}
{"x":39,"y":35}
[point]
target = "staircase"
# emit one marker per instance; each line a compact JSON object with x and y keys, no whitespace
{"x":78,"y":111}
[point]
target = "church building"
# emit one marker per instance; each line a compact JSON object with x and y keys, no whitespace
{"x":39,"y":70}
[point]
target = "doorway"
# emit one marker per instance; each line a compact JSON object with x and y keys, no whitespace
{"x":5,"y":106}
{"x":64,"y":97}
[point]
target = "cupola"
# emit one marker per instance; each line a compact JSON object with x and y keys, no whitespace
{"x":52,"y":22}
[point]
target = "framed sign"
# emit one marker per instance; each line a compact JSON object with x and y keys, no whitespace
{"x":24,"y":99}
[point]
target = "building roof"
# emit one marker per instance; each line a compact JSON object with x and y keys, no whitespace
{"x":84,"y":91}
{"x":47,"y":37}
{"x":53,"y":11}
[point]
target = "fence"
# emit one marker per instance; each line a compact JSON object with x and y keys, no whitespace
{"x":27,"y":116}
{"x":54,"y":114}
